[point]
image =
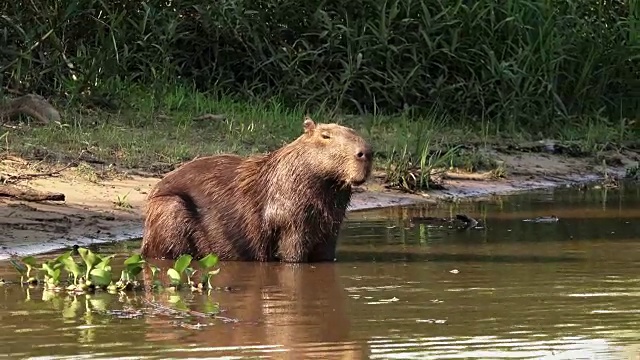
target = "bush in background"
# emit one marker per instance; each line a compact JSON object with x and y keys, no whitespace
{"x":507,"y":63}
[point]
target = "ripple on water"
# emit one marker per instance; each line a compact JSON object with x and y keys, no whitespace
{"x":492,"y":347}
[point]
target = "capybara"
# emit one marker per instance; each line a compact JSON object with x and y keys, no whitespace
{"x":287,"y":205}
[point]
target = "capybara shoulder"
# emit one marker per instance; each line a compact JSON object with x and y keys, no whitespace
{"x":287,"y":205}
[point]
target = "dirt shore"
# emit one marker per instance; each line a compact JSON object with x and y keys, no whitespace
{"x":103,"y":210}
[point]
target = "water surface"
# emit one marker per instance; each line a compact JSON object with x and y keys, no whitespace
{"x":400,"y":289}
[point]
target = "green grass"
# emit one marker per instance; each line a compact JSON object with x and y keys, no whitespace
{"x":154,"y":133}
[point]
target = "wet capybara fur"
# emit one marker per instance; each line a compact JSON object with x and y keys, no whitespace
{"x":287,"y":205}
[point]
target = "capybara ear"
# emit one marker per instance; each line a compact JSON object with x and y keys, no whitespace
{"x":308,"y":124}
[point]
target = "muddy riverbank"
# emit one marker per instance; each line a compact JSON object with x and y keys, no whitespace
{"x":100,"y":209}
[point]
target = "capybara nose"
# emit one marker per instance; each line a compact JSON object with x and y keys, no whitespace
{"x":364,"y":153}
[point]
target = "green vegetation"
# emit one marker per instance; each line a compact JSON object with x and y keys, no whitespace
{"x":68,"y":283}
{"x":94,"y":273}
{"x":633,"y":172}
{"x":149,"y":84}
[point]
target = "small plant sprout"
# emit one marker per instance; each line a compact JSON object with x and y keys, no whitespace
{"x":175,"y":273}
{"x":122,"y":202}
{"x":207,"y":263}
{"x":189,"y":271}
{"x":52,"y":270}
{"x":90,"y":261}
{"x":98,"y":270}
{"x":24,"y":268}
{"x":73,"y":268}
{"x":156,"y":283}
{"x":101,"y":274}
{"x":133,"y":267}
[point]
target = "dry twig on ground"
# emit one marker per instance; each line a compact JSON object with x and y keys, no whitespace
{"x":7,"y":178}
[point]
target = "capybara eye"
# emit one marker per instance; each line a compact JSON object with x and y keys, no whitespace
{"x":326,"y":136}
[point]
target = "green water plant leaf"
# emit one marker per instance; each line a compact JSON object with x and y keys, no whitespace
{"x":134,"y":265}
{"x":174,"y":276}
{"x":208,"y":261}
{"x":182,"y":262}
{"x":134,"y":259}
{"x":189,"y":272}
{"x":104,"y":262}
{"x":62,"y":257}
{"x":124,"y":276}
{"x":100,"y":277}
{"x":20,"y":267}
{"x":52,"y":269}
{"x":71,"y":266}
{"x":89,"y":258}
{"x":31,"y":263}
{"x":154,"y":270}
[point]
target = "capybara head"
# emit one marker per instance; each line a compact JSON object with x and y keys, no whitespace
{"x":338,"y":152}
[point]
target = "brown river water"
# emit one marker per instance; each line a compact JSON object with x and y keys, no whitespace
{"x":401,"y":289}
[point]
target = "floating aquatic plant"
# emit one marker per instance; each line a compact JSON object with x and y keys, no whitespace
{"x":94,"y":272}
{"x":207,"y":263}
{"x":24,"y":268}
{"x":180,"y":267}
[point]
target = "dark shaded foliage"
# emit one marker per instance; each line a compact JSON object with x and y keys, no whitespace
{"x":499,"y":61}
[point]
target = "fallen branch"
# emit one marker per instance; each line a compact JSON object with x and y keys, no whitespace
{"x":32,"y":105}
{"x":29,"y":194}
{"x":210,"y":117}
{"x":475,"y":177}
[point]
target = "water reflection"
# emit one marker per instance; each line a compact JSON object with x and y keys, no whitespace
{"x":297,"y":310}
{"x":294,"y":311}
{"x":594,"y":215}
